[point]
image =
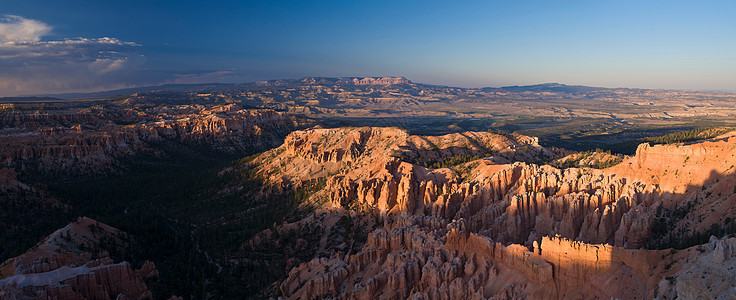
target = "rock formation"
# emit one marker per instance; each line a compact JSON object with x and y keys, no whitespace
{"x":93,"y":140}
{"x":701,"y":272}
{"x":502,"y":226}
{"x":69,"y":264}
{"x":391,"y":215}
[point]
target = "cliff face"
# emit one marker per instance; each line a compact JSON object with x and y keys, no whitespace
{"x":314,"y":153}
{"x":699,"y":175}
{"x":69,"y":265}
{"x":412,"y":261}
{"x":93,"y":140}
{"x":488,"y":227}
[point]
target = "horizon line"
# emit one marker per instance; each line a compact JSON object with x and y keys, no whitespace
{"x":360,"y":77}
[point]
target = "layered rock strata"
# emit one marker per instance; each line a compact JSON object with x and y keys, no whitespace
{"x":492,"y":228}
{"x":91,"y":141}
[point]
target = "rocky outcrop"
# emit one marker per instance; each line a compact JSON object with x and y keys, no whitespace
{"x":411,"y":262}
{"x":97,"y":279}
{"x":705,"y":273}
{"x":31,"y":117}
{"x":518,"y":202}
{"x":700,"y":175}
{"x":589,"y":159}
{"x":96,"y":141}
{"x":364,"y":152}
{"x":62,"y":267}
{"x":485,"y":228}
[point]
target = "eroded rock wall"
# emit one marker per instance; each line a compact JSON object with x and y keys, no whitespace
{"x":94,"y":142}
{"x":487,"y":228}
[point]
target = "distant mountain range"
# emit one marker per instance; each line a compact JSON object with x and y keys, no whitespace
{"x":28,"y":99}
{"x":213,"y":87}
{"x":390,"y":80}
{"x":348,"y":81}
{"x":550,"y":87}
{"x":128,"y":91}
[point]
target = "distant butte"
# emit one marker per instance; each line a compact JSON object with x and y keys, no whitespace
{"x":374,"y":81}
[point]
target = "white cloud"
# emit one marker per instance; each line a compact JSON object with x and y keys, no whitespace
{"x":107,"y":65}
{"x":78,"y":49}
{"x":30,"y":65}
{"x":21,"y":30}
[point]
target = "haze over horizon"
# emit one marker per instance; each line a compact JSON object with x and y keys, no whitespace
{"x":80,"y":46}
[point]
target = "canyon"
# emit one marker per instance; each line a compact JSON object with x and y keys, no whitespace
{"x":499,"y":227}
{"x":365,"y":188}
{"x":93,"y":139}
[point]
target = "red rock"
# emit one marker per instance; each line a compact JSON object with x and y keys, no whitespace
{"x":484,"y":230}
{"x":58,"y":269}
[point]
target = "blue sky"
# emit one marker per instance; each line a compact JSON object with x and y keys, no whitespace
{"x":64,"y":46}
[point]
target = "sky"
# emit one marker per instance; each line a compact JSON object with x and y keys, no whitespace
{"x":76,"y":46}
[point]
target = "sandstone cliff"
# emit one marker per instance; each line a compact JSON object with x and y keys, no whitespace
{"x":502,"y":226}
